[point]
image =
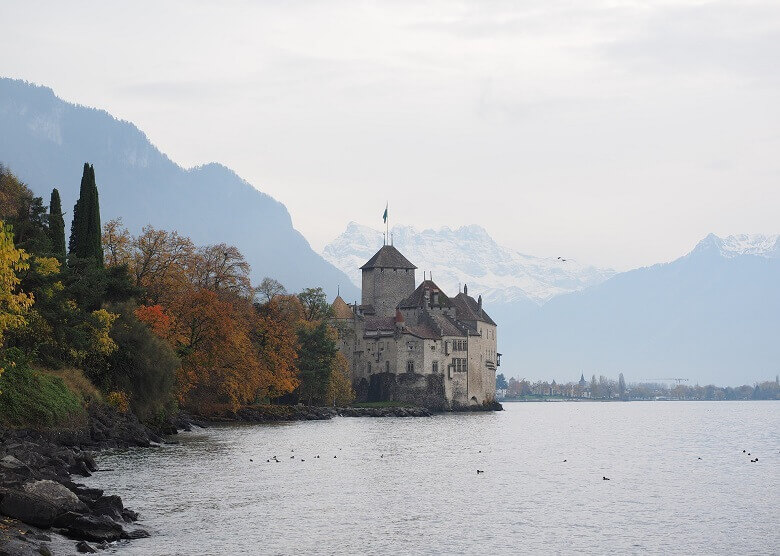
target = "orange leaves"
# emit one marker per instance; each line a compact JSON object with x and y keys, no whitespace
{"x":199,"y":299}
{"x":155,"y":318}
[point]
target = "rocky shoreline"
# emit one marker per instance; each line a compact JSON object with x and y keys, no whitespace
{"x":43,"y":507}
{"x":43,"y":511}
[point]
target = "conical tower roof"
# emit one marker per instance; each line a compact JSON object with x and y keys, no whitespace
{"x":341,"y":310}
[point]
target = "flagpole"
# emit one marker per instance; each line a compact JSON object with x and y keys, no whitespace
{"x":387,"y":221}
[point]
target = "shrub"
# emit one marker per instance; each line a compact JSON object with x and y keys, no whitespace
{"x":119,"y":401}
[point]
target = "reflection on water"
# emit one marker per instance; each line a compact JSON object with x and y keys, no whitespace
{"x":410,"y":486}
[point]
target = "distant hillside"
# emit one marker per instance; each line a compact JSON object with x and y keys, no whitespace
{"x":45,"y":141}
{"x":712,"y":316}
{"x":467,"y":255}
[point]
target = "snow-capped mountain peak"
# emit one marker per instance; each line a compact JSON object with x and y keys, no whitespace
{"x":466,"y":255}
{"x":760,"y":245}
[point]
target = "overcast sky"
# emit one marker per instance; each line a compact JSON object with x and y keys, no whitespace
{"x":617,"y":133}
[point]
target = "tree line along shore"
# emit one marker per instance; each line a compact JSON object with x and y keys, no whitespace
{"x":607,"y":389}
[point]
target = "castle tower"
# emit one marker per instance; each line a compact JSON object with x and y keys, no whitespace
{"x":388,"y":277}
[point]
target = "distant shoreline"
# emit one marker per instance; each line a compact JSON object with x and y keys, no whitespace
{"x":589,"y":400}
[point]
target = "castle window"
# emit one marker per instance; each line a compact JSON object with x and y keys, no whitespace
{"x":435,"y":367}
{"x":410,"y":366}
{"x":387,"y":366}
{"x":368,"y":367}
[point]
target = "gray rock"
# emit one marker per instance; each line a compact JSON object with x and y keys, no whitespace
{"x":58,"y":495}
{"x":110,"y":506}
{"x":28,"y":508}
{"x":96,"y":528}
{"x":85,"y":548}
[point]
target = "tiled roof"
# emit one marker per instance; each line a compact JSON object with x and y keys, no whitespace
{"x":417,"y":298}
{"x":446,"y":326}
{"x":388,"y":257}
{"x":468,"y":309}
{"x":380,"y":323}
{"x":341,"y":310}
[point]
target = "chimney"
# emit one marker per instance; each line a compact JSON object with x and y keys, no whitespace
{"x":465,"y":289}
{"x":479,"y":303}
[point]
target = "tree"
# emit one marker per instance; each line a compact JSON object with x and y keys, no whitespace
{"x":276,"y":341}
{"x":222,"y":268}
{"x":13,"y":303}
{"x":142,"y":365}
{"x":501,"y":383}
{"x":315,"y":361}
{"x":315,"y":304}
{"x":24,"y":213}
{"x":594,"y":388}
{"x":621,"y":386}
{"x":116,"y":241}
{"x":57,"y":226}
{"x":85,"y":232}
{"x":340,"y":392}
{"x":270,"y":288}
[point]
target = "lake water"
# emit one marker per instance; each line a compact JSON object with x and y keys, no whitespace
{"x":410,"y":486}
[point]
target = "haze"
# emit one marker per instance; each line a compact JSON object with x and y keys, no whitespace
{"x":617,"y":133}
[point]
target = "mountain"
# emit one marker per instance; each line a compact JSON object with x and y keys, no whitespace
{"x":712,"y":316}
{"x":45,"y":142}
{"x":467,"y":255}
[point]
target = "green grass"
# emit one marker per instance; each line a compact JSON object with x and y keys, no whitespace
{"x":30,"y":398}
{"x":383,"y":404}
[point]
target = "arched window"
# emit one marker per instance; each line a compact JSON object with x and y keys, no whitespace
{"x":435,"y":367}
{"x":387,"y":366}
{"x":410,"y":366}
{"x":368,"y":367}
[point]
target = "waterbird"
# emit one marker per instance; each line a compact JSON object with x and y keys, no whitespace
{"x":479,"y":471}
{"x":292,"y":457}
{"x":250,"y":459}
{"x":334,"y":457}
{"x":604,"y":478}
{"x":698,"y":458}
{"x":743,"y":451}
{"x":564,"y":461}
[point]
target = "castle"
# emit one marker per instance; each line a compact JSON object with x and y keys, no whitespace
{"x":416,"y":345}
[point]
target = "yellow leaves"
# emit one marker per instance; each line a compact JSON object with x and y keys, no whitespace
{"x":46,"y":266}
{"x":13,"y":303}
{"x":101,"y":340}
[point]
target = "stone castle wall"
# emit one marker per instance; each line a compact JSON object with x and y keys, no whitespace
{"x":384,"y":288}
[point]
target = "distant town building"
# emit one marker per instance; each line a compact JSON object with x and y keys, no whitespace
{"x":416,"y":345}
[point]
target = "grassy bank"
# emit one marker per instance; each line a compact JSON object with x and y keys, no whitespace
{"x":36,"y":399}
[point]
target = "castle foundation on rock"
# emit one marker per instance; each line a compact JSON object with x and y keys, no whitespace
{"x":416,"y":345}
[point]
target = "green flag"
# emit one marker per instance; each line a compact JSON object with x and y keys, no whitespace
{"x":384,"y":216}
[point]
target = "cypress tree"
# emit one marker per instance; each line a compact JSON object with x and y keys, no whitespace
{"x":56,"y":225}
{"x":85,"y":241}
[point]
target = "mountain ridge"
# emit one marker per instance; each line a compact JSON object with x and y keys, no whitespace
{"x":46,"y":140}
{"x":466,"y":255}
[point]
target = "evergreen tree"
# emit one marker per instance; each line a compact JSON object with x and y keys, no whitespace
{"x":85,"y":241}
{"x":56,"y":225}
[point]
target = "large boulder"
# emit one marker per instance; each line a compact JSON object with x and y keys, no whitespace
{"x":110,"y":506}
{"x":28,"y":508}
{"x":12,"y":464}
{"x":58,"y":495}
{"x":95,"y":528}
